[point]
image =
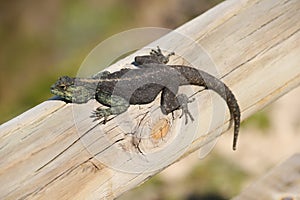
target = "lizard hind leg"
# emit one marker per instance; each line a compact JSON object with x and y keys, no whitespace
{"x":156,"y":56}
{"x":159,"y":56}
{"x":170,"y":103}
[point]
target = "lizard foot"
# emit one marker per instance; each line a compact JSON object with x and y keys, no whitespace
{"x":104,"y":113}
{"x":183,"y":101}
{"x":160,"y":56}
{"x":101,"y":113}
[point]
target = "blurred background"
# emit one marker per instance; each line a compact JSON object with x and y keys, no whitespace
{"x":42,"y":40}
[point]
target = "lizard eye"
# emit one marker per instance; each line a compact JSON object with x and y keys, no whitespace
{"x":63,"y":87}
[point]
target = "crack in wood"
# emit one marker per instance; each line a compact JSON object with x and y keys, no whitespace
{"x":67,"y":148}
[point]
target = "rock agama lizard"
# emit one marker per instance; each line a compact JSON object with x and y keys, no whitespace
{"x":152,"y":75}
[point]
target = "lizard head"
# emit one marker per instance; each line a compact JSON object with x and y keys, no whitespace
{"x":72,"y":89}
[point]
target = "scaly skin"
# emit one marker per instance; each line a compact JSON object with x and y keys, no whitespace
{"x":120,"y":89}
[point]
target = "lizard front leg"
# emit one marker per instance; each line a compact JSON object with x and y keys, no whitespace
{"x":117,"y":105}
{"x":171,"y":102}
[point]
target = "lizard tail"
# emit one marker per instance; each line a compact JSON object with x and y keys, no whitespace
{"x":192,"y":76}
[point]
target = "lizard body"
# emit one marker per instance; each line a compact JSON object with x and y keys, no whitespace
{"x":120,"y":89}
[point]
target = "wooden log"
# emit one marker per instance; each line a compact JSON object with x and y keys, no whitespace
{"x":56,"y":151}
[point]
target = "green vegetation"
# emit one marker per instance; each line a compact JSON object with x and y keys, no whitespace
{"x":41,"y":42}
{"x":216,"y":176}
{"x":259,"y":120}
{"x":213,"y":178}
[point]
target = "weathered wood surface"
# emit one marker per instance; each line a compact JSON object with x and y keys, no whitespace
{"x":47,"y":152}
{"x":282,"y":182}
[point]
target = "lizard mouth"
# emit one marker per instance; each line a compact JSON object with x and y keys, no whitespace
{"x":53,"y":90}
{"x":60,"y":95}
